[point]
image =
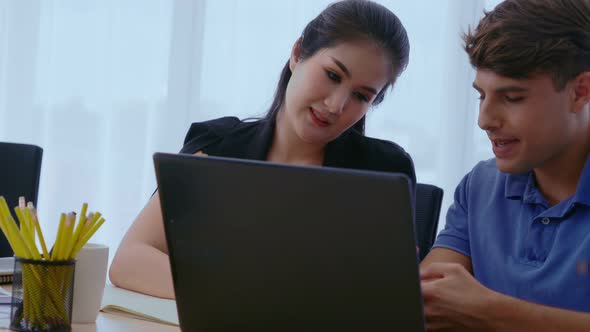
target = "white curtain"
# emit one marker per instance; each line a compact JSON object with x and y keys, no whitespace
{"x":101,"y":85}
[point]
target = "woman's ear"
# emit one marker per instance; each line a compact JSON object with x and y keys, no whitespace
{"x":295,"y":54}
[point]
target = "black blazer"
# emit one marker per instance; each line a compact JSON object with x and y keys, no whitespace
{"x":230,"y":137}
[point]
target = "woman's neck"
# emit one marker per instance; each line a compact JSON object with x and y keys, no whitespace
{"x":287,"y":147}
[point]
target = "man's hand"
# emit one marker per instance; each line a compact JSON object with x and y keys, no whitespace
{"x":453,"y":299}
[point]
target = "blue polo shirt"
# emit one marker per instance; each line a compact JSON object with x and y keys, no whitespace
{"x":518,"y":244}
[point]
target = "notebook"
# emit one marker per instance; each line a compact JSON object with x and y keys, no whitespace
{"x":5,"y":296}
{"x":259,"y":246}
{"x":6,"y":270}
{"x":6,"y":276}
{"x":131,"y":304}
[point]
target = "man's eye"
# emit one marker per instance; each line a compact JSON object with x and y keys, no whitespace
{"x":513,"y":99}
{"x":361,"y":97}
{"x":333,"y":76}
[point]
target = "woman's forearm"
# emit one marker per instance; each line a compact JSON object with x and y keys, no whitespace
{"x":144,"y":269}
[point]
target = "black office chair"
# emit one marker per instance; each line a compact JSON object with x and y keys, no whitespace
{"x":428,"y":202}
{"x":20,"y":170}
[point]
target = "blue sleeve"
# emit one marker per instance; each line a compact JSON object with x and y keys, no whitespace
{"x":455,"y":235}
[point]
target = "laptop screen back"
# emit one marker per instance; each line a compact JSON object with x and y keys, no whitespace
{"x":256,"y":245}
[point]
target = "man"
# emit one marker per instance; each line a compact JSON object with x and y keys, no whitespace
{"x":515,"y":251}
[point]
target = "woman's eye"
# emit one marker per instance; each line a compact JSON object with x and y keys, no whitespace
{"x":333,"y":76}
{"x":361,"y":97}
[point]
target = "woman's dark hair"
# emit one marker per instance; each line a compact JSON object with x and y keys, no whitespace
{"x":350,"y":20}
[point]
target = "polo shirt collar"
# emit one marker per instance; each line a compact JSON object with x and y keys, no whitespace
{"x":516,"y":185}
{"x":582,"y":195}
{"x":524,"y":187}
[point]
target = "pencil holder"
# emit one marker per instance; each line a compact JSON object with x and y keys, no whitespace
{"x":42,"y":295}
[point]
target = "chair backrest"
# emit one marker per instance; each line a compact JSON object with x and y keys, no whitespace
{"x":20,"y":170}
{"x":428,"y":202}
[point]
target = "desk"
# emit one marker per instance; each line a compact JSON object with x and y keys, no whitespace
{"x":104,"y":323}
{"x":109,"y":322}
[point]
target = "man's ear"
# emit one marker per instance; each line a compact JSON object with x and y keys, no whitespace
{"x":581,"y":91}
{"x":295,"y":54}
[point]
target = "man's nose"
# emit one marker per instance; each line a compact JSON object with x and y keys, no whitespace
{"x":489,"y":116}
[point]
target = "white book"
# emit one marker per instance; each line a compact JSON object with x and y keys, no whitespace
{"x":131,"y":304}
{"x":6,"y":269}
{"x":5,"y":296}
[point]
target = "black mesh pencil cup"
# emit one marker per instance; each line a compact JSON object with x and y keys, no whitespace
{"x":42,"y":295}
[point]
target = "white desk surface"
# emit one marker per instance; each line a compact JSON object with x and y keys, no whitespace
{"x":104,"y":323}
{"x":109,"y":322}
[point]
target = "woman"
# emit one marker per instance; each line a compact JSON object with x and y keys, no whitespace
{"x":341,"y":65}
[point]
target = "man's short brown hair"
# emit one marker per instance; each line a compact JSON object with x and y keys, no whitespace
{"x":522,"y":38}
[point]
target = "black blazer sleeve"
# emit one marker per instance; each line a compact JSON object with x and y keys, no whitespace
{"x":403,"y":163}
{"x":389,"y":157}
{"x":204,"y":134}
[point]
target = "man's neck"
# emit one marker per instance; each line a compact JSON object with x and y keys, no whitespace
{"x":560,"y":179}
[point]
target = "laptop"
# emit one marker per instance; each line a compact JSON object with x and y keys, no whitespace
{"x":270,"y":247}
